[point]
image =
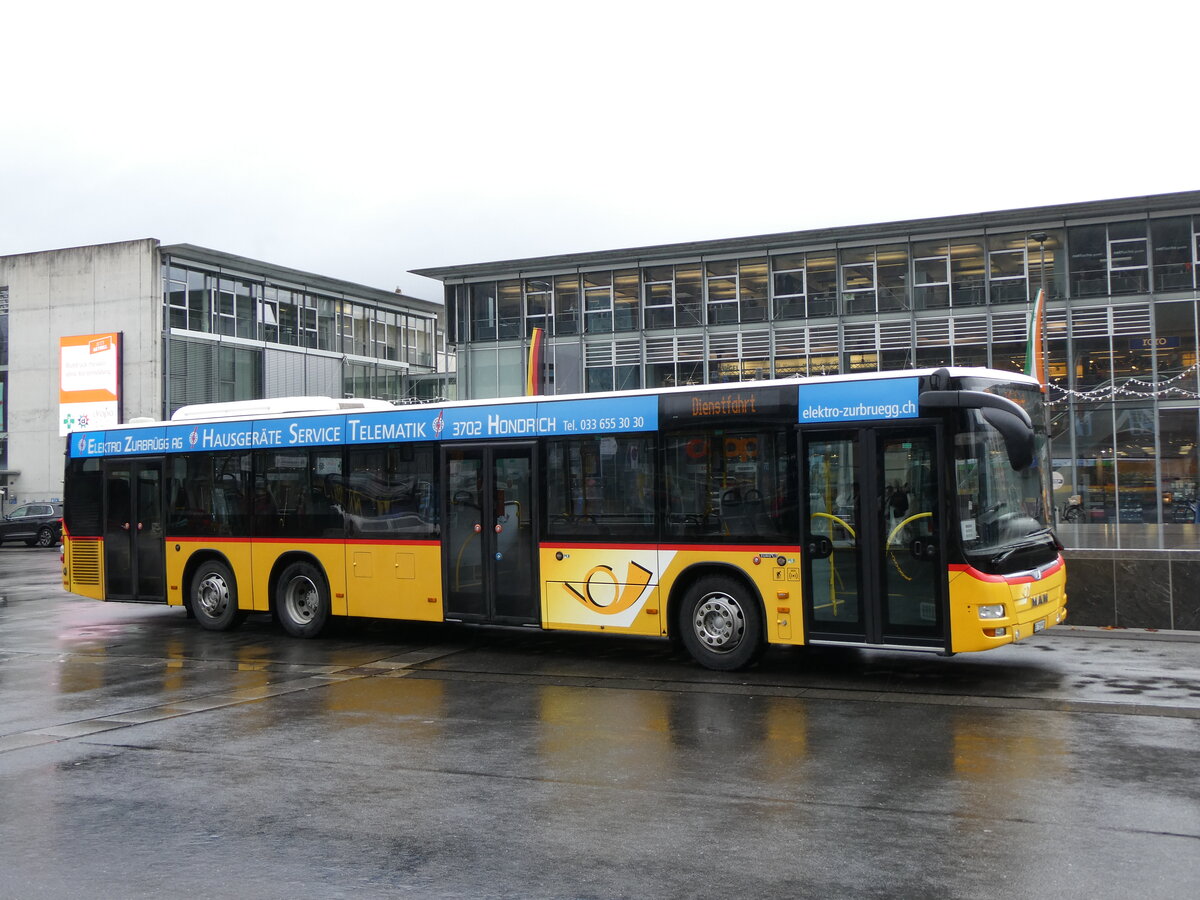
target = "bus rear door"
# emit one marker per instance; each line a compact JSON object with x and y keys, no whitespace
{"x":133,"y":530}
{"x":873,"y":562}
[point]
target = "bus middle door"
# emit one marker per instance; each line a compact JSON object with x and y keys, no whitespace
{"x":489,"y":543}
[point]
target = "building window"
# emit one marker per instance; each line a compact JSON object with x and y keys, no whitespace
{"x":1110,"y":259}
{"x":671,"y":362}
{"x":268,"y":320}
{"x":598,"y":302}
{"x":385,"y":335}
{"x":1128,"y":259}
{"x":787,"y":281}
{"x":175,"y":286}
{"x":354,"y":324}
{"x":874,"y":279}
{"x":566,"y":304}
{"x":1008,"y":276}
{"x":858,"y":280}
{"x":658,"y":285}
{"x":188,"y":297}
{"x":1089,"y":272}
{"x":689,"y":295}
{"x":235,"y":312}
{"x":1171,"y":242}
{"x":891,"y":272}
{"x":239,"y":374}
{"x":380,"y":382}
{"x":931,"y":274}
{"x":753,"y":280}
{"x":821,"y":280}
{"x":509,"y":305}
{"x":967,"y":274}
{"x":721,"y":286}
{"x":483,"y":311}
{"x":613,"y":366}
{"x":539,"y":303}
{"x":627,"y":313}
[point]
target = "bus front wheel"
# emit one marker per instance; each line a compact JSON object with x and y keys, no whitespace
{"x":720,"y":624}
{"x":214,"y":597}
{"x":302,"y":600}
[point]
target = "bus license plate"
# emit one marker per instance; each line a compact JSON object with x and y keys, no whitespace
{"x":1039,"y":625}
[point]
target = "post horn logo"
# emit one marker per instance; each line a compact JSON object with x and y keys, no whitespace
{"x":601,"y":592}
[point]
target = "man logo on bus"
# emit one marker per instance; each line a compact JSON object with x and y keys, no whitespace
{"x":603,"y":593}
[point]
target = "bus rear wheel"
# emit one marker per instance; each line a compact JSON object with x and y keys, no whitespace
{"x":302,"y":600}
{"x":214,"y":597}
{"x":720,"y":624}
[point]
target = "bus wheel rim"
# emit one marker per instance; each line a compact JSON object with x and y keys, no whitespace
{"x":719,"y":622}
{"x":301,"y":599}
{"x":213,"y":595}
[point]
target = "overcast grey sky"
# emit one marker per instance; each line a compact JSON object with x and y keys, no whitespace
{"x":362,"y":140}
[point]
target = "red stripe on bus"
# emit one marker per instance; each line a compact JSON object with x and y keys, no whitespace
{"x":294,"y":542}
{"x":607,"y":545}
{"x":1001,"y":579}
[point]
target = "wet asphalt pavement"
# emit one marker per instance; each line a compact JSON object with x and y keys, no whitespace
{"x":141,"y":756}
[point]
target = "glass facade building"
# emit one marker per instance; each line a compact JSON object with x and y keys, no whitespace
{"x":244,"y":331}
{"x":1121,"y":331}
{"x":194,"y":325}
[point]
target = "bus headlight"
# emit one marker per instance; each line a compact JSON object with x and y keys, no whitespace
{"x":993,"y":611}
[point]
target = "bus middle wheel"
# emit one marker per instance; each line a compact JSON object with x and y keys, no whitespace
{"x":720,"y":624}
{"x":302,"y":600}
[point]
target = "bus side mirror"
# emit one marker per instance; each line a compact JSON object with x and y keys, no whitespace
{"x":1018,"y":437}
{"x":1003,"y":414}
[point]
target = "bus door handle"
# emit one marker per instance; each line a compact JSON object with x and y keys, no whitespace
{"x":819,"y":546}
{"x":924,"y":548}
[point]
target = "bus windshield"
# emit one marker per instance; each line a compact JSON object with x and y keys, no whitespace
{"x":1001,"y":511}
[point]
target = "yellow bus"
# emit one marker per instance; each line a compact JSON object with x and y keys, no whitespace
{"x":905,"y":510}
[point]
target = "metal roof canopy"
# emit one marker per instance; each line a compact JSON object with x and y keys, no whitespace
{"x":885,"y":231}
{"x":241,"y":266}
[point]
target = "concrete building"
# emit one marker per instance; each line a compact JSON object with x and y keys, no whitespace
{"x":195,"y":326}
{"x":1121,"y":336}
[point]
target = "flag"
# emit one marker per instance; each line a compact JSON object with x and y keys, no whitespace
{"x":533,"y":375}
{"x":1035,"y":358}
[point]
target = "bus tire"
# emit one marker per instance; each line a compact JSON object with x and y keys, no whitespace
{"x":720,"y":623}
{"x":302,"y":600}
{"x":214,"y":597}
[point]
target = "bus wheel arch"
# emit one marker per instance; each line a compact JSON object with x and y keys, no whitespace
{"x":212,"y":595}
{"x":300,"y":595}
{"x":716,"y":614}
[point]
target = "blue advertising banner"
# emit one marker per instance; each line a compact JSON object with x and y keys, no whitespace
{"x":604,"y":414}
{"x":849,"y":401}
{"x":425,"y":423}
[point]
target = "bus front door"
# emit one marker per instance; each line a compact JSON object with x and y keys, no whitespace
{"x":133,"y":530}
{"x":489,"y":542}
{"x":873,"y":560}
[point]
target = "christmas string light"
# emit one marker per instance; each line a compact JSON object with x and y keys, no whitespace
{"x":1134,"y":388}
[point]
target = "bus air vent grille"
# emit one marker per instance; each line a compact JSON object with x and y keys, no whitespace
{"x":85,"y":562}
